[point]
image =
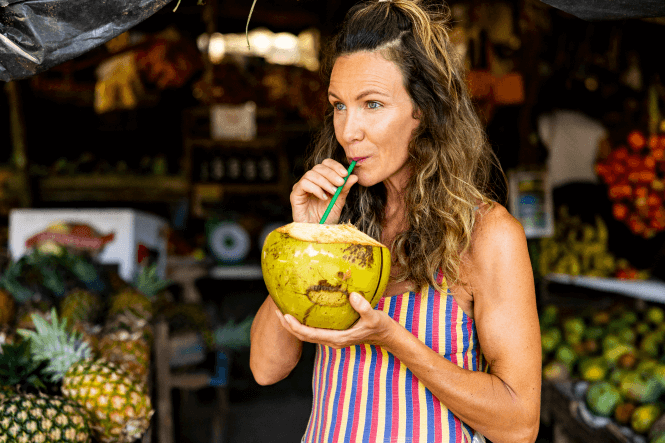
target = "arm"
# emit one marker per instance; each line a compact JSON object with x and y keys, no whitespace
{"x":274,"y":352}
{"x":503,"y":405}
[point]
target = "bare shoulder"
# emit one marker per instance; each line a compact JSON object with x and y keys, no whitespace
{"x":495,"y":229}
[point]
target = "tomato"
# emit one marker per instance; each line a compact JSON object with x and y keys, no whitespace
{"x":658,"y":154}
{"x":654,"y":141}
{"x":619,"y":211}
{"x":654,"y":200}
{"x":636,"y":140}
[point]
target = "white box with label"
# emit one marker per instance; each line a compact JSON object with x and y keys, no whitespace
{"x":131,"y":227}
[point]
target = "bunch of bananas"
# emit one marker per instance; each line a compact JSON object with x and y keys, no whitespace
{"x":577,"y":248}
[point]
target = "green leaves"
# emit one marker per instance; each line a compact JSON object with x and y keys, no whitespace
{"x":17,"y":367}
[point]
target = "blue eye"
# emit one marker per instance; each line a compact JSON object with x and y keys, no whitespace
{"x":373,"y":105}
{"x":338,"y":106}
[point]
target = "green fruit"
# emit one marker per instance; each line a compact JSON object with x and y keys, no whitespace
{"x":600,"y":318}
{"x":629,"y":317}
{"x":638,"y":388}
{"x":574,"y":326}
{"x":650,"y":344}
{"x":644,"y":417}
{"x":549,"y":316}
{"x":593,"y":369}
{"x":658,"y":439}
{"x":617,"y":375}
{"x":612,"y":355}
{"x":655,"y":315}
{"x":627,"y":335}
{"x":658,"y":373}
{"x":566,"y":355}
{"x":311,"y":269}
{"x":550,"y":339}
{"x":610,"y":341}
{"x":642,"y":328}
{"x":602,"y":398}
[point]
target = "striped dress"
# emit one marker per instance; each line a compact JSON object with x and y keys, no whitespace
{"x":364,"y":394}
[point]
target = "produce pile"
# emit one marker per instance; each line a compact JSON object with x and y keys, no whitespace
{"x":635,"y":175}
{"x":618,"y":355}
{"x":75,"y":350}
{"x":580,"y":248}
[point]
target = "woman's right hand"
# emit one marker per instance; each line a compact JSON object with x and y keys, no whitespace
{"x":311,"y":195}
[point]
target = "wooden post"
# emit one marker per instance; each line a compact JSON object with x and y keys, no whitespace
{"x":19,"y":149}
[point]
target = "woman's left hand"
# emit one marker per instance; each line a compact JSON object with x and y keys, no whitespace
{"x":373,"y":327}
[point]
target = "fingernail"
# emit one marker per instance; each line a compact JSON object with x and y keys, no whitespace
{"x":355,"y":296}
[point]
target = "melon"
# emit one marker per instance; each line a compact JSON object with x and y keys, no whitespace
{"x":311,"y":269}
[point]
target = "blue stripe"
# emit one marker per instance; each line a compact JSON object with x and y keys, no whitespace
{"x":429,"y":318}
{"x":474,"y":351}
{"x":370,"y":395}
{"x":354,"y":387}
{"x":389,"y":381}
{"x":451,"y":427}
{"x":465,"y":335}
{"x":338,"y":389}
{"x":446,"y":327}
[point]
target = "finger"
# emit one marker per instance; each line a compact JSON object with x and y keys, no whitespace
{"x":335,"y":166}
{"x":324,"y":179}
{"x":335,"y":173}
{"x":360,"y":304}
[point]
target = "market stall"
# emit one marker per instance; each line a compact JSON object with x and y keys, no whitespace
{"x":144,"y":171}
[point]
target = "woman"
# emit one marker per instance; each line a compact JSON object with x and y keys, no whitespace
{"x":452,"y":351}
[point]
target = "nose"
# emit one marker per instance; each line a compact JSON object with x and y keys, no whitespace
{"x":352,"y":127}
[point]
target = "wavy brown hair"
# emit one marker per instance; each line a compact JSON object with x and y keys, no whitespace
{"x":454,"y":168}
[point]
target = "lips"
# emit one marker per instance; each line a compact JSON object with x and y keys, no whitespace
{"x":358,"y":159}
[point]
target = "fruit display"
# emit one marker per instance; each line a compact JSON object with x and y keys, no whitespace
{"x":581,"y":248}
{"x":78,"y":347}
{"x":617,"y":354}
{"x":311,"y":269}
{"x":634,"y":173}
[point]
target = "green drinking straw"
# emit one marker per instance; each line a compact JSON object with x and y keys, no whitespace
{"x":339,"y":189}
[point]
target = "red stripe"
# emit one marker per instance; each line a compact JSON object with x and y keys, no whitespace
{"x":375,"y":395}
{"x":415,"y":324}
{"x":435,"y":321}
{"x":342,"y":392}
{"x":325,"y":356}
{"x":458,"y":430}
{"x":396,"y":400}
{"x":359,"y":392}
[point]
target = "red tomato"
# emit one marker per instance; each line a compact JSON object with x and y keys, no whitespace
{"x":636,"y":140}
{"x":619,"y":211}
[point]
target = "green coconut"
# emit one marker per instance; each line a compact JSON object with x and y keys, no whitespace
{"x":311,"y":269}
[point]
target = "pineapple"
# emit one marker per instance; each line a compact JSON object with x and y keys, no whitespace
{"x":119,"y":408}
{"x":126,"y":341}
{"x":80,"y":305}
{"x":139,"y":299}
{"x":19,"y":369}
{"x":28,"y":418}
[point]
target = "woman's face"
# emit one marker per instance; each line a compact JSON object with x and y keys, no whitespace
{"x":373,"y":117}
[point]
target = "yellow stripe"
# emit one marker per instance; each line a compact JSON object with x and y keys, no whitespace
{"x":460,"y":337}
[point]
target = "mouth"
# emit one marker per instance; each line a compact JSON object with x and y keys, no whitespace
{"x":358,"y":160}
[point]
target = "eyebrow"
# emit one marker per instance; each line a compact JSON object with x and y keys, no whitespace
{"x":362,"y":94}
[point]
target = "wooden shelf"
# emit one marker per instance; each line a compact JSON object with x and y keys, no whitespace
{"x":113,"y":188}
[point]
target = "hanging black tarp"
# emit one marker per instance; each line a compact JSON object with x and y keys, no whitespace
{"x":596,"y":10}
{"x":36,"y":35}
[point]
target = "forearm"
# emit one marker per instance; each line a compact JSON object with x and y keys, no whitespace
{"x":274,"y":352}
{"x":481,"y":400}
